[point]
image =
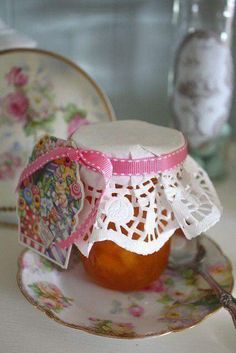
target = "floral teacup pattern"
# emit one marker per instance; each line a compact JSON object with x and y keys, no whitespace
{"x":30,"y":102}
{"x":50,"y":296}
{"x":40,"y":93}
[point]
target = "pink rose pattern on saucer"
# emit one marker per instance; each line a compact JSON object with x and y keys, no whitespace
{"x":30,"y":103}
{"x":50,"y":296}
{"x":178,"y":300}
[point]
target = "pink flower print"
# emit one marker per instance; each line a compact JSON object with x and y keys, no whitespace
{"x":217,"y":268}
{"x":157,"y":286}
{"x":50,"y":296}
{"x":75,"y":123}
{"x":75,"y":190}
{"x":35,"y":190}
{"x":17,"y":105}
{"x":49,"y":290}
{"x":16,"y":77}
{"x":180,"y":293}
{"x":136,"y":310}
{"x":48,"y":302}
{"x":25,"y":263}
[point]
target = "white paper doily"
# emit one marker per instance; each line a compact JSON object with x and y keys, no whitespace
{"x":140,"y":213}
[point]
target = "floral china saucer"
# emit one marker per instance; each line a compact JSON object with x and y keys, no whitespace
{"x":40,"y":93}
{"x":178,"y":300}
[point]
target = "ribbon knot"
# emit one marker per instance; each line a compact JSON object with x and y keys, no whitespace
{"x":97,"y":162}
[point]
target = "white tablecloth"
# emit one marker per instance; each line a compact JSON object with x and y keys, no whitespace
{"x":24,"y":329}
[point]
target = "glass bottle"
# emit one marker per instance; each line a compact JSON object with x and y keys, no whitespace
{"x":202,"y":82}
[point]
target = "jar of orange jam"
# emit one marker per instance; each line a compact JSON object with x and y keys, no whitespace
{"x":114,"y":267}
{"x":128,"y":246}
{"x":119,"y":191}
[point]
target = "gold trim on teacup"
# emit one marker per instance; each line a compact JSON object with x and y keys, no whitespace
{"x":69,"y":62}
{"x":52,"y":316}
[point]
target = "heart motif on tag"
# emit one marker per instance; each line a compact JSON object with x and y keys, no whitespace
{"x":49,"y":203}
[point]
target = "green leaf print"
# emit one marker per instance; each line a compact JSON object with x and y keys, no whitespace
{"x":169,"y":281}
{"x":35,"y":289}
{"x":208,"y":301}
{"x":33,"y":126}
{"x":71,"y":110}
{"x":165,"y":299}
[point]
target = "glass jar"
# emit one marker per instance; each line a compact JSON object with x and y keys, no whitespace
{"x":128,"y":246}
{"x":119,"y":192}
{"x":202,"y":82}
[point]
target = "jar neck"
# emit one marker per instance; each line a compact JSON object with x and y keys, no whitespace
{"x":215,"y":16}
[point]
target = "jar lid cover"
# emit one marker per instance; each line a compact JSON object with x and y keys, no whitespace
{"x":129,"y":139}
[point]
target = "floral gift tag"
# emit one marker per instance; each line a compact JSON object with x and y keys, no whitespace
{"x":49,"y":203}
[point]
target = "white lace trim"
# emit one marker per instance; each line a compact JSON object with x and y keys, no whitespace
{"x":142,"y":217}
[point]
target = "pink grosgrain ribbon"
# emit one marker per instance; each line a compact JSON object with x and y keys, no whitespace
{"x":100,"y":163}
